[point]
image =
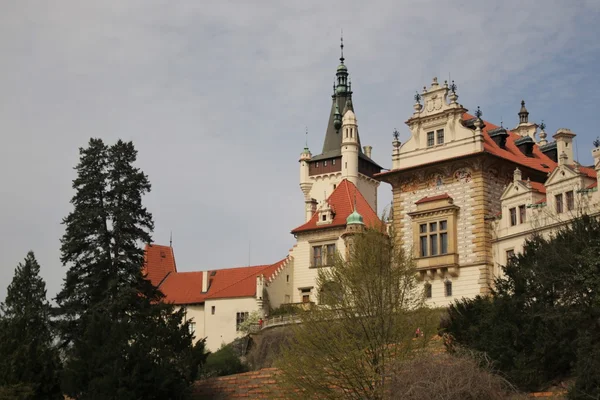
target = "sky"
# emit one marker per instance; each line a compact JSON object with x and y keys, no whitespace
{"x":217,"y":96}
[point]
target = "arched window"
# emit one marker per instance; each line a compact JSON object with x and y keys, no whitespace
{"x":448,"y":286}
{"x":428,"y":291}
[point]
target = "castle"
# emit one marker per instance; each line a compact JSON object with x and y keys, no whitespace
{"x":466,"y":194}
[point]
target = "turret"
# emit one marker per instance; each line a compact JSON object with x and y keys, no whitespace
{"x":350,"y":147}
{"x":306,"y":184}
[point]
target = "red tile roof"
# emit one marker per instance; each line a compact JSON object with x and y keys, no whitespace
{"x":511,"y":152}
{"x":183,"y":288}
{"x":342,"y":203}
{"x":186,"y":287}
{"x":239,"y":282}
{"x":433,"y":198}
{"x":536,"y":186}
{"x":161,"y":261}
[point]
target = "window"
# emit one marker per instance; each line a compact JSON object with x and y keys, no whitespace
{"x":287,"y":278}
{"x":317,"y":164}
{"x":433,"y":238}
{"x":522,"y":214}
{"x":330,"y":253}
{"x":513,"y":216}
{"x":212,"y":310}
{"x":325,"y":163}
{"x":430,"y":139}
{"x":509,"y":255}
{"x":324,"y":217}
{"x":440,"y":136}
{"x":448,"y":286}
{"x":333,"y":162}
{"x":570,"y":200}
{"x":192,"y":327}
{"x":428,"y":291}
{"x":305,"y":295}
{"x":559,"y":203}
{"x":240,"y":317}
{"x":317,"y":256}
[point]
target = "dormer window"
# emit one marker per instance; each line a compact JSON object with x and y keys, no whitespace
{"x":324,"y":217}
{"x":430,"y":139}
{"x":435,"y":138}
{"x":440,"y":136}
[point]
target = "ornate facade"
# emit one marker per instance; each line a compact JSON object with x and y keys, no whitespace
{"x":467,"y":193}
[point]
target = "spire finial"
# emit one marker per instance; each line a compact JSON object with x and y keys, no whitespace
{"x":478,"y":113}
{"x":306,"y":144}
{"x":543,"y":125}
{"x":396,"y":134}
{"x":171,"y":239}
{"x":342,"y":47}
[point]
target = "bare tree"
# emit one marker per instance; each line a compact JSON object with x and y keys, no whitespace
{"x":370,"y":307}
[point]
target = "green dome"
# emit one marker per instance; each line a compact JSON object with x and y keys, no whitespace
{"x":342,"y":67}
{"x":354,"y":219}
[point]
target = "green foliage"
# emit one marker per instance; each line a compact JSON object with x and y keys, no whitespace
{"x":223,"y":362}
{"x":542,"y":322}
{"x":120,"y":340}
{"x":250,"y":322}
{"x":29,"y":363}
{"x":369,"y":310}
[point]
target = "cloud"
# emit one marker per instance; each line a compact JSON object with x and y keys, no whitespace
{"x":216,"y":97}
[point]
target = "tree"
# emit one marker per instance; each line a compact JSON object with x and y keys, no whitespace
{"x":120,"y":340}
{"x":29,"y":363}
{"x":370,"y":308}
{"x":543,"y":321}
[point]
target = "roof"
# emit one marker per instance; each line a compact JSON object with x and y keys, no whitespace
{"x":239,"y":282}
{"x":183,"y":288}
{"x":341,"y":202}
{"x":433,"y":198}
{"x":538,"y":160}
{"x":161,"y":261}
{"x":536,"y":186}
{"x":186,"y":287}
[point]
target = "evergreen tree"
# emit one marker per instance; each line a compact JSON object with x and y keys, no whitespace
{"x":121,"y":340}
{"x":29,"y":363}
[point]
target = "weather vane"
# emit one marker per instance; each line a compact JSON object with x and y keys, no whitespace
{"x":396,"y":134}
{"x":478,"y":113}
{"x":597,"y":142}
{"x":542,"y":125}
{"x":417,"y":97}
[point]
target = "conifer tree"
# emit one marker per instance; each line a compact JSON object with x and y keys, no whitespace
{"x":29,"y":363}
{"x":121,"y":341}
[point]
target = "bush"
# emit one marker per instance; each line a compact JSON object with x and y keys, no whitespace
{"x":443,"y":376}
{"x":223,"y":362}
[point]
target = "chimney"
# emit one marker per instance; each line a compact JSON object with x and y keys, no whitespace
{"x":517,"y":176}
{"x":204,"y":281}
{"x":368,"y":150}
{"x":564,"y":144}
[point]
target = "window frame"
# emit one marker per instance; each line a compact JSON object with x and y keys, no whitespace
{"x":512,"y":216}
{"x":437,"y":137}
{"x":570,"y":200}
{"x":522,"y":214}
{"x":448,"y":288}
{"x":314,"y":257}
{"x":430,"y":234}
{"x":430,"y":139}
{"x":558,"y":203}
{"x":240,"y":318}
{"x":428,"y":290}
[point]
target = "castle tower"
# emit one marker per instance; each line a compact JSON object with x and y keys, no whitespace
{"x":340,"y":157}
{"x":350,"y":147}
{"x":354,"y":226}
